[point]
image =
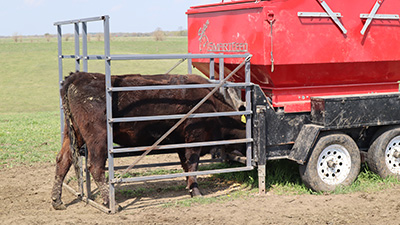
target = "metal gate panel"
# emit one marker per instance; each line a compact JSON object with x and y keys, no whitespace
{"x":111,"y":149}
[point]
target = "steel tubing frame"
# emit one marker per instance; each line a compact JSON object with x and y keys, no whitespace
{"x":107,"y":57}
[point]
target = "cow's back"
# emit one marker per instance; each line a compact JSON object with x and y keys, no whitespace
{"x":86,"y":99}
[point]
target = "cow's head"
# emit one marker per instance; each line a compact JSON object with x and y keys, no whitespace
{"x":232,"y":97}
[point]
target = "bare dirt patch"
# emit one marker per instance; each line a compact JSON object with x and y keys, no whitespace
{"x":25,"y":199}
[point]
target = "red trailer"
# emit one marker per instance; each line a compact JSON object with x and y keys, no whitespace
{"x":325,"y":75}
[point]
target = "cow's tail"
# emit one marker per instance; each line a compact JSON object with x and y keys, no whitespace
{"x":71,"y":131}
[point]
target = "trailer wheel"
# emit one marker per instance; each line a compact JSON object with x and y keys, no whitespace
{"x":384,"y":154}
{"x":335,"y":161}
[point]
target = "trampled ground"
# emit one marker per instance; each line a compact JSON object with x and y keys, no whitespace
{"x":25,"y":199}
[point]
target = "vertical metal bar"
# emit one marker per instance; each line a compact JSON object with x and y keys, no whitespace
{"x":259,"y":146}
{"x":247,"y":73}
{"x":84,"y":46}
{"x":80,"y":180}
{"x":212,"y":68}
{"x":88,"y":186}
{"x":60,"y":78}
{"x":77,"y":58}
{"x":248,"y":117}
{"x":221,"y":68}
{"x":190,"y":66}
{"x":222,"y":75}
{"x":77,"y":68}
{"x":109,"y":112}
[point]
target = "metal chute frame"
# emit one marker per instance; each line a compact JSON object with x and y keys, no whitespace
{"x":107,"y":57}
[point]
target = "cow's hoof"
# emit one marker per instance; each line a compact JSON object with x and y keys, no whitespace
{"x":195,"y":192}
{"x":59,"y":206}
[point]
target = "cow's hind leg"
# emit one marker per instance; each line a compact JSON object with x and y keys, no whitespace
{"x":97,"y":161}
{"x":190,"y":161}
{"x":63,"y":164}
{"x":182,"y":158}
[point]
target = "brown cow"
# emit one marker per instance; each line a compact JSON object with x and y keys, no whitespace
{"x":83,"y":96}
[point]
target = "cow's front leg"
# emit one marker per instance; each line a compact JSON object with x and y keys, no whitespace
{"x":182,"y":157}
{"x":63,"y":161}
{"x":192,"y":163}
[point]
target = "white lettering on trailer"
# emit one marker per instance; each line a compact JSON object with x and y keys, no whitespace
{"x":206,"y":45}
{"x":227,"y":47}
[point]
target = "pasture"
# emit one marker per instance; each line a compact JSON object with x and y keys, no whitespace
{"x":29,"y":88}
{"x":30,"y":140}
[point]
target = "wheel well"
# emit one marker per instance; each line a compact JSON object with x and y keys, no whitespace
{"x":381,"y":130}
{"x":364,"y":136}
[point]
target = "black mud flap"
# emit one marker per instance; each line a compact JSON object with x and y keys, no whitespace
{"x":304,"y":143}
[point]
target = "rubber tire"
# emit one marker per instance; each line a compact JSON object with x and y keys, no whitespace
{"x":309,"y":173}
{"x":376,"y":154}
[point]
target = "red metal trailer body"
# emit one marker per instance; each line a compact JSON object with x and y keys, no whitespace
{"x":304,"y":48}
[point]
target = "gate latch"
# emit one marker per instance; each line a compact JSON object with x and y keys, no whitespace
{"x":373,"y":15}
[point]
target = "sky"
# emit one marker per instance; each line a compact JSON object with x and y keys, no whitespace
{"x":37,"y":17}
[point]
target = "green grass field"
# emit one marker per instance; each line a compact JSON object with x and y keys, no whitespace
{"x":29,"y":104}
{"x":29,"y":71}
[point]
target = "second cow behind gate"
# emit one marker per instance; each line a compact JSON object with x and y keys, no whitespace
{"x":84,"y":103}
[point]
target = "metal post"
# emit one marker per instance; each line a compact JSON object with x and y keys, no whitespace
{"x":80,"y":180}
{"x":60,"y":78}
{"x":260,"y":145}
{"x":222,"y":75}
{"x":77,"y":58}
{"x":248,"y":117}
{"x":85,"y":69}
{"x":84,"y":46}
{"x":212,"y":62}
{"x":77,"y":68}
{"x":88,"y":186}
{"x":109,"y":112}
{"x":190,"y":66}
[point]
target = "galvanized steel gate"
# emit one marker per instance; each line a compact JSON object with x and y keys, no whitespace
{"x":112,"y":151}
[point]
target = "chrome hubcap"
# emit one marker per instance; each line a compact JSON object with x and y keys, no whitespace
{"x":334,"y":164}
{"x":392,"y":155}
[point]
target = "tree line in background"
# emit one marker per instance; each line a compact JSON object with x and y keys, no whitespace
{"x":158,"y":34}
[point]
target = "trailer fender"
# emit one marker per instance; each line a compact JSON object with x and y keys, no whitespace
{"x":304,"y":143}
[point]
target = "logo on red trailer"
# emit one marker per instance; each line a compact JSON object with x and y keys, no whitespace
{"x":205,"y":45}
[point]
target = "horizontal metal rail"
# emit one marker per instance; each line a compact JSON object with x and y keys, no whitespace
{"x":317,"y":14}
{"x":168,"y":176}
{"x":184,"y":86}
{"x":178,"y":116}
{"x":154,"y":56}
{"x":381,"y":16}
{"x":90,"y":19}
{"x":165,"y":164}
{"x":68,"y":56}
{"x":184,"y":145}
{"x":174,"y":56}
{"x":88,"y":57}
